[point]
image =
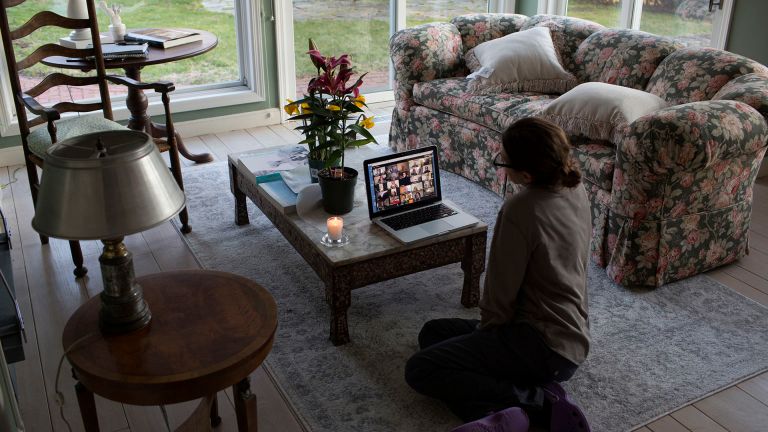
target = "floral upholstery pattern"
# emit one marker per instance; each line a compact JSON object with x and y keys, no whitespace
{"x":465,"y":148}
{"x":421,"y":53}
{"x":567,"y":34}
{"x":675,"y":173}
{"x":39,"y":140}
{"x":696,"y":74}
{"x":478,"y":28}
{"x":752,"y":89}
{"x":596,"y":160}
{"x":671,"y":199}
{"x":622,"y":57}
{"x":494,"y":111}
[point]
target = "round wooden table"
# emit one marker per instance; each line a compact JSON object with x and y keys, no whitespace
{"x":136,"y":101}
{"x":209,"y":330}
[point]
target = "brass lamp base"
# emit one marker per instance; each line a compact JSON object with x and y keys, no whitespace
{"x":123,"y":308}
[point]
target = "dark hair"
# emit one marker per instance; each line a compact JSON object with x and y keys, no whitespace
{"x":541,"y":149}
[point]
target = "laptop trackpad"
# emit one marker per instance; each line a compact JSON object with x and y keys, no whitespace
{"x":436,"y":227}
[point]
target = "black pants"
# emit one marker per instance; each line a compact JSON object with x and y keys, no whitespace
{"x":476,"y":372}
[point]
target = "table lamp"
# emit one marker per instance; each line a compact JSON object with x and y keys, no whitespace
{"x":107,"y":185}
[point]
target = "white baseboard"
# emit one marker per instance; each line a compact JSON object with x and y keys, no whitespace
{"x":15,"y":155}
{"x":228,"y":123}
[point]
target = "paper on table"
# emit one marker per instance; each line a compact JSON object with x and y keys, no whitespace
{"x":309,"y":207}
{"x":297,"y":178}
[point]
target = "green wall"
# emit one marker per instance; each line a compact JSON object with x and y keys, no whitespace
{"x":527,"y":7}
{"x":748,"y":32}
{"x":271,"y":93}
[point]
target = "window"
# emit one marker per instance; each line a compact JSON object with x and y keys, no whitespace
{"x":690,"y":22}
{"x":235,"y":63}
{"x":361,"y":28}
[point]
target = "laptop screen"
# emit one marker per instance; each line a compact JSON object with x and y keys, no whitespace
{"x":403,"y":180}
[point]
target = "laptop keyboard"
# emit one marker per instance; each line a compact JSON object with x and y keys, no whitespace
{"x":416,"y":217}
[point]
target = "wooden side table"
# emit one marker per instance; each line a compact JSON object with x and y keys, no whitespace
{"x":209,"y":331}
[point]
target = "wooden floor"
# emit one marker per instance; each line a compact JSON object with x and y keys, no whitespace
{"x":48,"y":294}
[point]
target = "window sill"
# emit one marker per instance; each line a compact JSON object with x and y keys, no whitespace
{"x":181,"y":101}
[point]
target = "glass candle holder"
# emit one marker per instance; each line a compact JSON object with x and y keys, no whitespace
{"x":335,"y":235}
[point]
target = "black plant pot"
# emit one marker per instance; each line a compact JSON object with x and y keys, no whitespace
{"x":338,"y":192}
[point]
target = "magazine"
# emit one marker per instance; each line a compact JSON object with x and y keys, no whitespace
{"x":165,"y":38}
{"x":266,"y":164}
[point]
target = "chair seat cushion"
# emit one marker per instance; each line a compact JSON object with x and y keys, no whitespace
{"x":39,"y":140}
{"x":596,"y":160}
{"x":452,"y":96}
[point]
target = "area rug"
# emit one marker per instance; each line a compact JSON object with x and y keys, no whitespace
{"x":652,"y":350}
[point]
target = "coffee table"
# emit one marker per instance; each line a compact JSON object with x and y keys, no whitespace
{"x":372,"y":255}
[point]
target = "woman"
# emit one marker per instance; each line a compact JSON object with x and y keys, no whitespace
{"x":533,"y":330}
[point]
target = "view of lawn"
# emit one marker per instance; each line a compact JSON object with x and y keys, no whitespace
{"x":215,"y":66}
{"x":661,"y":23}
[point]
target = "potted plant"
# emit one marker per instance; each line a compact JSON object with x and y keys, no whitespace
{"x":333,"y":120}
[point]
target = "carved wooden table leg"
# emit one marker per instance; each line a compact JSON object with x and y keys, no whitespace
{"x":245,"y":406}
{"x":137,"y":104}
{"x":241,"y":206}
{"x":473,"y":265}
{"x":339,"y":297}
{"x":87,"y":408}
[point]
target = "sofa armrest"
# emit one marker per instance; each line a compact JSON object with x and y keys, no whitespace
{"x":693,"y":136}
{"x":424,"y":53}
{"x":752,"y":89}
{"x":688,"y":159}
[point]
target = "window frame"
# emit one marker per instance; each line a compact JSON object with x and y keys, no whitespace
{"x":286,"y":63}
{"x":249,"y":89}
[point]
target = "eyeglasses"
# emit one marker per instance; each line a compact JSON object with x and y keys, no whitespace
{"x":498,"y":161}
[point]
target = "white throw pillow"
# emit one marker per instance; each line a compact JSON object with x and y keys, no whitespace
{"x":601,"y":111}
{"x":518,"y":62}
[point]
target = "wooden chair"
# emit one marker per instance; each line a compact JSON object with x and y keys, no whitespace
{"x":35,"y":138}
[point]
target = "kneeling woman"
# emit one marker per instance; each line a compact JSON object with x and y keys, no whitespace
{"x":533,"y":330}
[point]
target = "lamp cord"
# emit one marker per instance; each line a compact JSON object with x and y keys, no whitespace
{"x":60,"y":401}
{"x":13,"y":178}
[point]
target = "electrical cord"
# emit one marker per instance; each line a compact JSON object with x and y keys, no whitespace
{"x":60,"y":401}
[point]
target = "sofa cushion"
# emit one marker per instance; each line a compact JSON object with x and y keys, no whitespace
{"x":596,"y":160}
{"x":494,"y":111}
{"x":522,"y":61}
{"x":601,"y":111}
{"x":478,"y":28}
{"x":696,"y":74}
{"x":623,"y":57}
{"x":567,"y":34}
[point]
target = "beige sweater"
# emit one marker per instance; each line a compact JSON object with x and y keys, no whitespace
{"x":537,"y":268}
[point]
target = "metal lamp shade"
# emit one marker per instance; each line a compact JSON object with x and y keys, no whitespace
{"x":105,"y":185}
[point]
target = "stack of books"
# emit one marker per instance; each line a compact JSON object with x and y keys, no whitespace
{"x":163,"y":38}
{"x":123,"y":50}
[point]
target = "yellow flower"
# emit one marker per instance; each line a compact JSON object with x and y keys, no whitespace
{"x":367,"y":122}
{"x":359,"y":101}
{"x":305,"y":108}
{"x":291,"y":108}
{"x":334,"y":107}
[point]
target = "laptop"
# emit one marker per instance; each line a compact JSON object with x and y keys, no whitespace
{"x":404,"y":196}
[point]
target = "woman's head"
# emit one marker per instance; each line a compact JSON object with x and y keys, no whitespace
{"x":540,"y":149}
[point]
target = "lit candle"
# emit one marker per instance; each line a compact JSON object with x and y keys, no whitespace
{"x":335,"y":224}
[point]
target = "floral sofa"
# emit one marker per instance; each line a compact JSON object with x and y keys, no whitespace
{"x":671,"y":197}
